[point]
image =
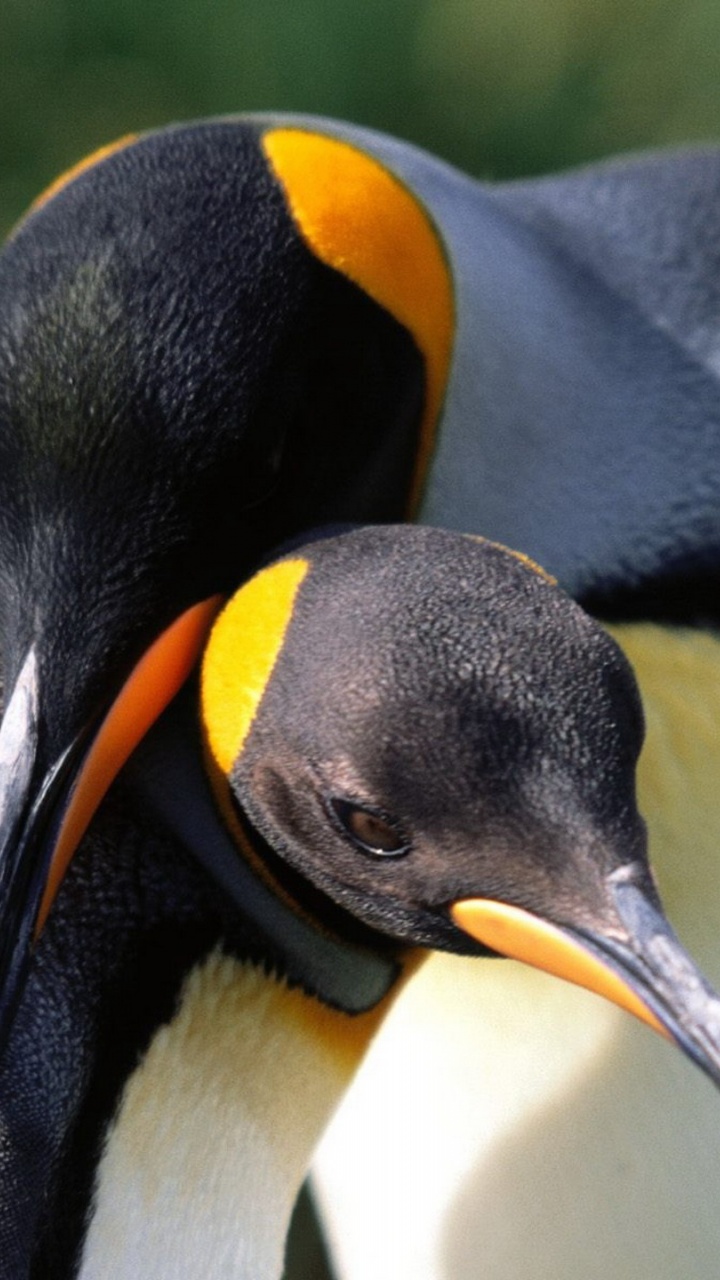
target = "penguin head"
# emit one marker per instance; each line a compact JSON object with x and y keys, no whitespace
{"x":425,"y":728}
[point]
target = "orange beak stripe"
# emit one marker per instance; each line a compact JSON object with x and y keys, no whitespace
{"x":153,"y":683}
{"x":522,"y":936}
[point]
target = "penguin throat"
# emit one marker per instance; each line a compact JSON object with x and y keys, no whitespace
{"x":286,"y":928}
{"x":368,"y":950}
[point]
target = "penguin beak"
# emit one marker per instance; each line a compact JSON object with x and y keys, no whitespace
{"x":633,"y":959}
{"x":45,"y":811}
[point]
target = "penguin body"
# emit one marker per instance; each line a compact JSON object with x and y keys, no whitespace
{"x":200,"y":356}
{"x":156,"y":302}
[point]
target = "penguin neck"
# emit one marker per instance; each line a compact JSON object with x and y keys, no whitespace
{"x":297,"y":929}
{"x":216,"y":1129}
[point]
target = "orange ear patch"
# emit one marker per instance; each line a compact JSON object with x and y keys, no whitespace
{"x":360,"y":220}
{"x":243,"y":648}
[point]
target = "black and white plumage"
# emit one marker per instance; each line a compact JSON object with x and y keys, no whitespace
{"x":190,"y":371}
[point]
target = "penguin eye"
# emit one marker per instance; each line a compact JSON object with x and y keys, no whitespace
{"x":372,"y":833}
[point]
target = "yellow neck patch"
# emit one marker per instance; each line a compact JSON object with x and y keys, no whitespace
{"x":243,"y":648}
{"x":363,"y":222}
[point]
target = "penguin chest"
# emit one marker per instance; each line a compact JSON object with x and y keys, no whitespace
{"x":215,"y":1129}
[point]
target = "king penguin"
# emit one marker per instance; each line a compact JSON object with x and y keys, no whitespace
{"x":212,"y":338}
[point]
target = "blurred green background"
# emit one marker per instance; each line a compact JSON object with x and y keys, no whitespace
{"x":501,"y":87}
